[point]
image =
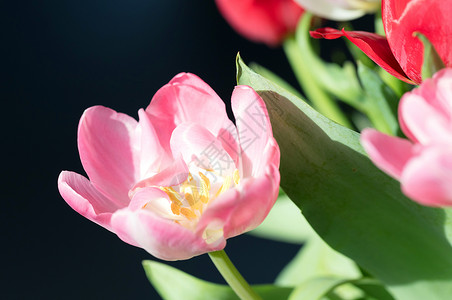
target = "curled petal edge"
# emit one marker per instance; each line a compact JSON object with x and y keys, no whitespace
{"x":375,"y":46}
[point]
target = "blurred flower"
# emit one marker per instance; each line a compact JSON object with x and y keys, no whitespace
{"x":340,"y":10}
{"x":184,"y":178}
{"x":423,"y":164}
{"x":401,"y":53}
{"x":266,"y":21}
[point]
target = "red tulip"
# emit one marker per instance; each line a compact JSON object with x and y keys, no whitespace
{"x":401,"y":53}
{"x":266,"y":21}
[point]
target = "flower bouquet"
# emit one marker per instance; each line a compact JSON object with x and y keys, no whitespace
{"x":356,"y":168}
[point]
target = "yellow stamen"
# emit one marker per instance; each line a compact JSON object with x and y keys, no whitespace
{"x":190,"y":199}
{"x":205,"y":188}
{"x":193,"y":188}
{"x":225,"y":186}
{"x":188,"y":213}
{"x":176,"y":209}
{"x":204,"y":199}
{"x":205,"y":180}
{"x":194,"y":203}
{"x":236,"y":176}
{"x":193,"y":194}
{"x":173,"y":195}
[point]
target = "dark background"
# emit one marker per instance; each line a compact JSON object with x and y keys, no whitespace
{"x":61,"y":57}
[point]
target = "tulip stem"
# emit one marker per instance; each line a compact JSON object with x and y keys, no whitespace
{"x":319,"y":98}
{"x":232,"y":276}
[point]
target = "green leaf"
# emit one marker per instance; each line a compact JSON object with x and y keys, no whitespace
{"x":358,"y":210}
{"x":379,"y":101}
{"x":398,"y":86}
{"x":317,"y":288}
{"x":318,"y":96}
{"x":339,"y":81}
{"x":432,"y":63}
{"x":173,"y":284}
{"x":326,"y":287}
{"x":273,"y":77}
{"x":317,"y":259}
{"x":285,"y":223}
{"x":336,"y":287}
{"x":373,"y":289}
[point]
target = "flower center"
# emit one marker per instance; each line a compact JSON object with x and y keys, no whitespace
{"x":190,"y":198}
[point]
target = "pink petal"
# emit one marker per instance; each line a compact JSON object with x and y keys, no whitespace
{"x":244,"y":208}
{"x":228,"y":138}
{"x":271,"y":155}
{"x":152,"y":157}
{"x":83,"y":197}
{"x":443,"y":100}
{"x":373,"y":45}
{"x":254,"y":128}
{"x":146,"y":196}
{"x":186,"y":99}
{"x":162,"y":238}
{"x":437,"y":92}
{"x":432,"y":18}
{"x":106,"y":145}
{"x":422,"y":122}
{"x":192,"y":80}
{"x":197,"y":144}
{"x":427,"y":178}
{"x":389,"y":153}
{"x":174,"y":174}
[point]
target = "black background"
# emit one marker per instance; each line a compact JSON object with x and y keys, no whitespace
{"x":61,"y":57}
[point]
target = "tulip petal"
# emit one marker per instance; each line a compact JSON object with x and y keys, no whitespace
{"x":153,"y":199}
{"x":228,"y":137}
{"x":373,"y":45}
{"x":177,"y":103}
{"x":253,"y":126}
{"x":330,"y":10}
{"x":432,"y":18}
{"x":199,"y":145}
{"x":106,"y":145}
{"x":261,"y":21}
{"x":244,"y":208}
{"x":83,"y":197}
{"x":152,"y":157}
{"x":192,"y":80}
{"x":389,"y":153}
{"x":165,"y":239}
{"x":437,"y":92}
{"x":421,"y":122}
{"x":174,"y":174}
{"x":427,"y":178}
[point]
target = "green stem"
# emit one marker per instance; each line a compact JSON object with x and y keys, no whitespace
{"x":319,"y":98}
{"x":232,"y":276}
{"x":379,"y":121}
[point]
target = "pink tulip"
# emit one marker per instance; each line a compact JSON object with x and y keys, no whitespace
{"x":266,"y":21}
{"x":423,"y":163}
{"x":400,"y":53}
{"x":182,"y":179}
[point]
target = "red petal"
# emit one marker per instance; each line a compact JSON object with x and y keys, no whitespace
{"x":373,"y":45}
{"x":261,"y":21}
{"x":432,"y":18}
